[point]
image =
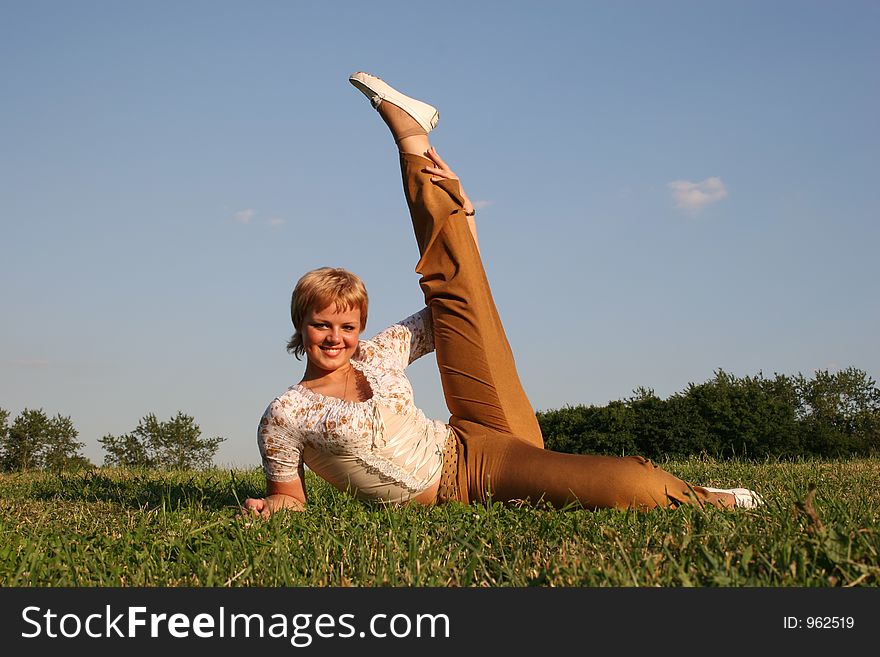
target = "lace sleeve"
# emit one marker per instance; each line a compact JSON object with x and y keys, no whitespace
{"x":421,"y":340}
{"x":279,"y":443}
{"x":404,"y":342}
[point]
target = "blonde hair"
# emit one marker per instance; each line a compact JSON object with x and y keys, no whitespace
{"x":319,"y":288}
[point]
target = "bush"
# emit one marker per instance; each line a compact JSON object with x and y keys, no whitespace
{"x":831,"y":415}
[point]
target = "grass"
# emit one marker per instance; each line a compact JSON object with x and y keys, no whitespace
{"x":118,"y":528}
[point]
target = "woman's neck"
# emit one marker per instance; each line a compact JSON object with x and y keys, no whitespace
{"x":343,"y":383}
{"x":316,"y":374}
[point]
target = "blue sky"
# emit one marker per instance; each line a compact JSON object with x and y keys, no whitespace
{"x":665,"y":189}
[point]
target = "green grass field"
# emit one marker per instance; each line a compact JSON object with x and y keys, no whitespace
{"x":116,"y":528}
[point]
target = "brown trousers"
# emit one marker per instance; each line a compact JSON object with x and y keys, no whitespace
{"x":500,"y":449}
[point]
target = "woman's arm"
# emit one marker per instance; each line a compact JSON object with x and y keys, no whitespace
{"x":279,"y":495}
{"x":280,"y":445}
{"x":442,"y":171}
{"x":401,"y":343}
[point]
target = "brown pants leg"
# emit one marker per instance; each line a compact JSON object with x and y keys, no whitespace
{"x":501,"y":454}
{"x":477,"y":369}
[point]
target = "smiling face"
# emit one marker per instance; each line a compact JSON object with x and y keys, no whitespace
{"x":330,"y":338}
{"x":329,"y":289}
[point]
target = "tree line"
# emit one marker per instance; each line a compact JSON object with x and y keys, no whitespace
{"x":34,"y":441}
{"x":828,"y":415}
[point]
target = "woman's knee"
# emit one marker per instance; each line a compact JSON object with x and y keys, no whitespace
{"x":643,"y":463}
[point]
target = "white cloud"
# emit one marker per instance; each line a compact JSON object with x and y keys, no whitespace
{"x":479,"y":205}
{"x":694,"y":196}
{"x":245,"y":216}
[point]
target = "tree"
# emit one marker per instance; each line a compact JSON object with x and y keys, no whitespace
{"x":749,"y":416}
{"x":26,"y":437}
{"x":125,"y":451}
{"x":840,"y":412}
{"x":4,"y":427}
{"x":174,"y":443}
{"x":829,"y":415}
{"x":667,"y":427}
{"x":61,"y":448}
{"x":35,"y":441}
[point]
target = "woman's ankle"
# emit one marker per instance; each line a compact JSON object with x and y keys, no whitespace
{"x":409,"y":136}
{"x":415,"y":144}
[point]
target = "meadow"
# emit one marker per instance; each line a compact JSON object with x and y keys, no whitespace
{"x":121,"y":528}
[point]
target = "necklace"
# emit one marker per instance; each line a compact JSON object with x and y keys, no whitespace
{"x":321,"y":383}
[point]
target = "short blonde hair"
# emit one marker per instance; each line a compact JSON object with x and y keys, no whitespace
{"x":319,"y":288}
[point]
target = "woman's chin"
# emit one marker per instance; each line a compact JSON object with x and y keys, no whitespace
{"x":330,"y":361}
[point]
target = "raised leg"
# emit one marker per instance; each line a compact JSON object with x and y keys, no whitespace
{"x":477,"y":369}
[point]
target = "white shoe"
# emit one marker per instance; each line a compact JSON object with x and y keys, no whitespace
{"x":745,"y":498}
{"x":377,"y":90}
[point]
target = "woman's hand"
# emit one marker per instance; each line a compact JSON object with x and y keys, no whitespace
{"x":280,"y":495}
{"x":256,"y":507}
{"x":266,"y":506}
{"x":442,"y":171}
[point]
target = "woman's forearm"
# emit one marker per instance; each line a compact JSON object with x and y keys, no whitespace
{"x":278,"y":501}
{"x":472,"y":224}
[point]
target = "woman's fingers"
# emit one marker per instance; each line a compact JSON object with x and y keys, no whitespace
{"x":434,"y":156}
{"x":441,"y":170}
{"x":254,"y":506}
{"x":440,"y":174}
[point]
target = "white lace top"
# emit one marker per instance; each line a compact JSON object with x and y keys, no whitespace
{"x":382,"y":449}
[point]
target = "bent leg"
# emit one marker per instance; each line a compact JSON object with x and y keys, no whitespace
{"x":477,"y":368}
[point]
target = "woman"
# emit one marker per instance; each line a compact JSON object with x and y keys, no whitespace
{"x":352,"y":418}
